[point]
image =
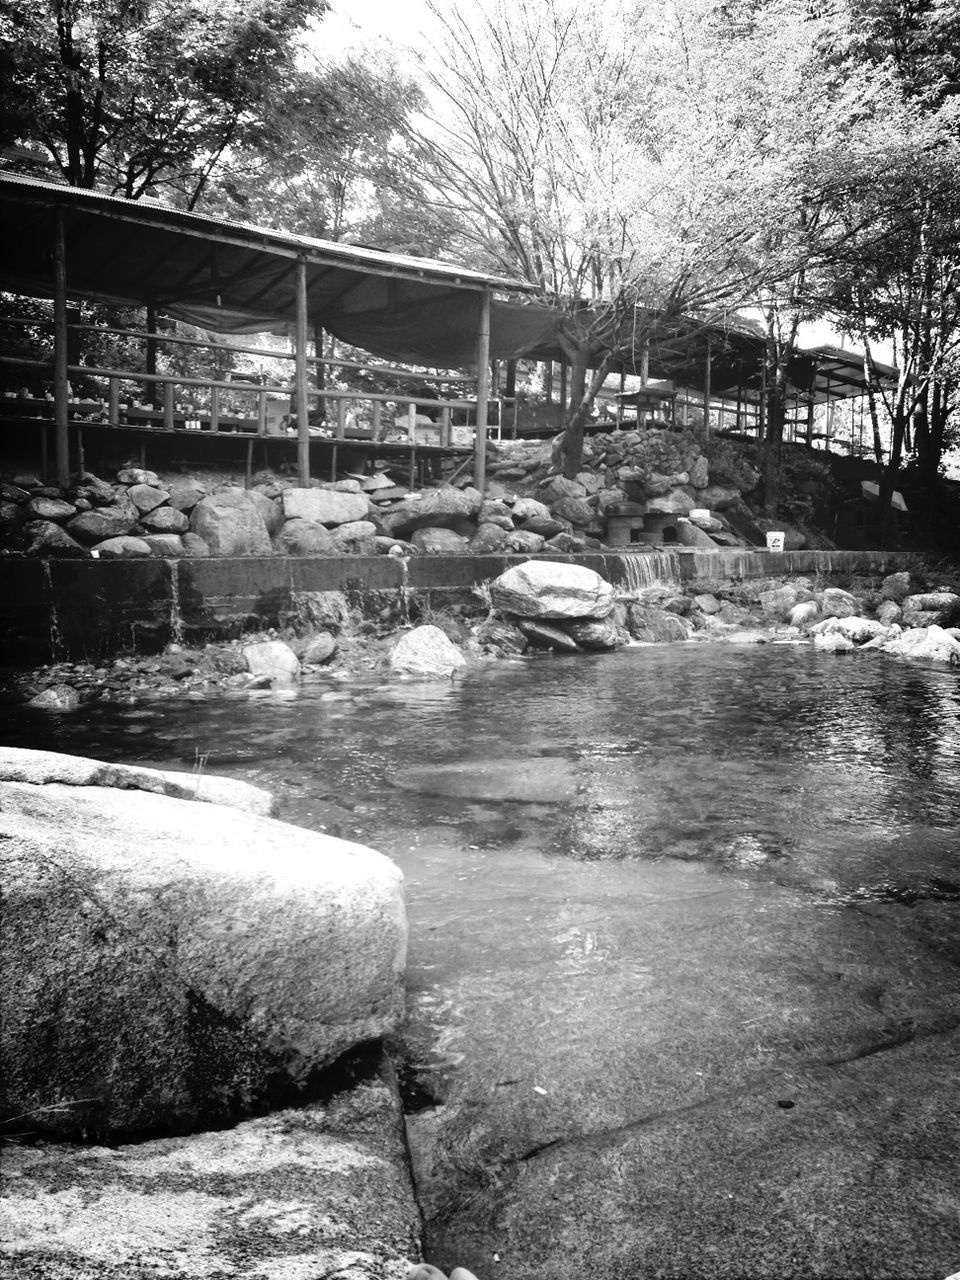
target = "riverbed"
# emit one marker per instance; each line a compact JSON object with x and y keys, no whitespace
{"x":687,"y":1002}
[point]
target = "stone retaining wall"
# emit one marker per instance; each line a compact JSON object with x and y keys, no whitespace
{"x":52,"y":610}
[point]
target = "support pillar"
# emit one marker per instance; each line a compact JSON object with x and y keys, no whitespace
{"x":151,"y":396}
{"x":483,"y":391}
{"x":61,"y":413}
{"x":707,"y":376}
{"x":303,"y":402}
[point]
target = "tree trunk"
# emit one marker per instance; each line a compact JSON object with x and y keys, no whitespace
{"x":571,"y":443}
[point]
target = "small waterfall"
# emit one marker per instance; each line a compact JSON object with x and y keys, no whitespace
{"x":176,"y":618}
{"x":632,"y":572}
{"x":57,"y":653}
{"x":403,"y":591}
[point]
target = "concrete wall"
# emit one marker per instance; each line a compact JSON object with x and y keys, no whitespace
{"x":52,"y":610}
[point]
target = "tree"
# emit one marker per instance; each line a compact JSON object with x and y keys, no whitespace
{"x":143,"y":96}
{"x":641,"y":163}
{"x":329,"y":159}
{"x":903,"y":288}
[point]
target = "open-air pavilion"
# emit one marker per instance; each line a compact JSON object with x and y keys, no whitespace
{"x":72,"y":245}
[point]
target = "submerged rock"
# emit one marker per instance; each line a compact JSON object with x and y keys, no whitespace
{"x":536,"y":780}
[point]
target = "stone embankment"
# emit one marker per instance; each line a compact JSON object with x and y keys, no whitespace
{"x":172,"y":970}
{"x":660,"y":478}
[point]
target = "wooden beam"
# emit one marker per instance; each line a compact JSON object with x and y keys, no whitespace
{"x":61,"y":394}
{"x":483,"y":391}
{"x":303,"y":404}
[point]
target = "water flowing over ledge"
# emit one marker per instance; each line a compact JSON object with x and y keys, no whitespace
{"x":51,"y":610}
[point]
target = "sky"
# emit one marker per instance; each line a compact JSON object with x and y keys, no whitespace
{"x":351,"y":24}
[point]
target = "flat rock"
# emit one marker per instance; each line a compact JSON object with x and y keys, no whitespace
{"x":546,"y":635}
{"x":146,"y":497}
{"x":20,"y":764}
{"x":536,"y":780}
{"x":322,"y":1190}
{"x":51,"y":540}
{"x":126,"y":547}
{"x":169,"y":964}
{"x":103,"y":522}
{"x":300,"y":537}
{"x":273,"y":659}
{"x":165,"y":520}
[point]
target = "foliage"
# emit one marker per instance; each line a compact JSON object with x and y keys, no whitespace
{"x":143,"y":96}
{"x":331,"y":162}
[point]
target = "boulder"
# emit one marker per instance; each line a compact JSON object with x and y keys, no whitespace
{"x":804,"y":613}
{"x":676,"y":502}
{"x":545,"y":528}
{"x":194,"y":545}
{"x":691,"y":535}
{"x":778,"y":602}
{"x":320,"y":1190}
{"x":299,"y":537}
{"x":51,"y":540}
{"x":165,"y":520}
{"x":859,"y":630}
{"x":716,"y":497}
{"x":271,"y":511}
{"x":124,"y":548}
{"x":439,"y":542}
{"x":927,"y":601}
{"x":318,"y":649}
{"x":13,"y":516}
{"x":653,"y":625}
{"x":355,"y":538}
{"x":170,"y":964}
{"x":896,"y":587}
{"x":576,"y":510}
{"x":165,"y":546}
{"x":543,"y":635}
{"x":558,"y":487}
{"x":526,"y":542}
{"x":138,"y":475}
{"x":565,"y":543}
{"x":706,"y":603}
{"x":837,"y":603}
{"x":496,"y":512}
{"x":833,"y":642}
{"x":445,"y":507}
{"x":55,"y":509}
{"x":427,"y":652}
{"x":889,"y":612}
{"x":274,"y":660}
{"x":58,"y":697}
{"x":185,"y":494}
{"x":530,"y":509}
{"x":501,"y":637}
{"x":231,"y":524}
{"x":146,"y":497}
{"x":489,"y":539}
{"x":103,"y":522}
{"x":932,"y":644}
{"x":548,"y":589}
{"x":597,"y":633}
{"x":699,"y":472}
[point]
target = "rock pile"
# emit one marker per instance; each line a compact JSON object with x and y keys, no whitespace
{"x":527,"y":508}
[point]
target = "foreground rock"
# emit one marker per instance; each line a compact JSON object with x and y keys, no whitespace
{"x":318,"y":1191}
{"x":17,"y":764}
{"x":169,"y":964}
{"x":426,"y":652}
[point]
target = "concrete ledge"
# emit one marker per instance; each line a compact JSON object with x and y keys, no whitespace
{"x":52,"y":610}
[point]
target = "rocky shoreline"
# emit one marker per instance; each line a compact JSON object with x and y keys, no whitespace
{"x":903,"y":615}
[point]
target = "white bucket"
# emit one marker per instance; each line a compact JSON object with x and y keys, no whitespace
{"x":775,"y":540}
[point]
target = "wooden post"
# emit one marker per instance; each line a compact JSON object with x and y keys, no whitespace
{"x":483,"y":391}
{"x":511,"y":394}
{"x":810,"y":407}
{"x":303,"y":403}
{"x":61,"y":414}
{"x":151,"y":396}
{"x":707,"y":374}
{"x":564,"y":383}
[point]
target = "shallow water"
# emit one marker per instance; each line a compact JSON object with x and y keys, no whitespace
{"x":724,"y":873}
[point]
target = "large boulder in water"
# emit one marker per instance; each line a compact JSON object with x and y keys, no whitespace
{"x":552,"y":589}
{"x":933,"y":644}
{"x":231,"y":524}
{"x":168,"y":964}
